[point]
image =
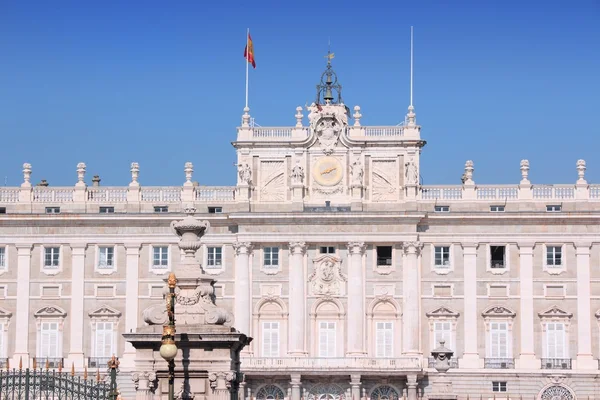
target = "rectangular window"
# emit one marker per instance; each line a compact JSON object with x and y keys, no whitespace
{"x":49,"y":337}
{"x":442,"y":330}
{"x":2,"y":210}
{"x":2,"y":257}
{"x":107,"y":210}
{"x":555,"y":340}
{"x":106,"y":257}
{"x":215,"y":257}
{"x":161,"y":209}
{"x":499,"y":340}
{"x":327,"y":339}
{"x":442,"y":256}
{"x":51,"y":257}
{"x":215,"y":210}
{"x":52,"y":210}
{"x":553,"y":256}
{"x":442,"y":209}
{"x":270,"y":339}
{"x":497,"y":208}
{"x":498,"y":256}
{"x":327,"y":250}
{"x":553,"y":208}
{"x":271,"y":256}
{"x":499,"y":387}
{"x":384,"y":256}
{"x":160,"y":257}
{"x":103,"y":342}
{"x":385,"y":338}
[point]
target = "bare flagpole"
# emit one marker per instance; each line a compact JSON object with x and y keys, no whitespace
{"x":411,"y":66}
{"x":247,"y":62}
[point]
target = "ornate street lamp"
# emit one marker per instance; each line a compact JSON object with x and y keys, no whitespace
{"x":168,"y":348}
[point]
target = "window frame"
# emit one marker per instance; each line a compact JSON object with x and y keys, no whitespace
{"x":113,"y":343}
{"x":442,"y":269}
{"x":499,"y":387}
{"x":4,"y":250}
{"x":161,"y":209}
{"x":488,"y":258}
{"x":50,"y":314}
{"x":441,"y":209}
{"x":106,"y":210}
{"x":159,"y":269}
{"x":443,"y":314}
{"x":553,"y":208}
{"x":387,"y":353}
{"x":52,"y":210}
{"x":215,"y":209}
{"x":498,"y":209}
{"x":331,"y":332}
{"x":555,"y":315}
{"x":214,"y":265}
{"x":391,"y":258}
{"x":498,"y":315}
{"x":263,"y":333}
{"x":53,"y":270}
{"x":98,"y":256}
{"x":564,"y":345}
{"x":554,"y":269}
{"x":327,"y":247}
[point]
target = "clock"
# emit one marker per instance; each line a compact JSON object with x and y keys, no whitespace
{"x":327,"y":171}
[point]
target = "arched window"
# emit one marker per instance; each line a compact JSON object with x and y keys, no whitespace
{"x":270,"y":392}
{"x":384,"y":392}
{"x":270,"y":323}
{"x":384,"y":327}
{"x":327,"y":317}
{"x":556,"y":392}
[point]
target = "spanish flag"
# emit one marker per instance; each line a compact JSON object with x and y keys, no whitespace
{"x":249,"y":52}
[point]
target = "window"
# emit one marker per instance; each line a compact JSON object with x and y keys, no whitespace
{"x":52,"y":210}
{"x":499,"y":387}
{"x":442,"y":256}
{"x":554,"y":208}
{"x":442,"y":330}
{"x":270,"y":339}
{"x":49,"y":340}
{"x":271,"y":257}
{"x":327,"y":250}
{"x":327,"y":339}
{"x":104,"y":340}
{"x":160,"y":257}
{"x":2,"y":210}
{"x":215,"y":210}
{"x":556,"y":340}
{"x":215,"y":257}
{"x":384,"y":255}
{"x":442,"y":209}
{"x":106,"y":257}
{"x":499,"y":340}
{"x":51,"y":257}
{"x":2,"y":257}
{"x":497,"y":257}
{"x":497,"y":208}
{"x":161,"y":209}
{"x":553,"y":256}
{"x":385,"y":338}
{"x":107,"y":210}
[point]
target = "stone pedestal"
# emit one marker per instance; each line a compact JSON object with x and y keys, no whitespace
{"x":441,"y":388}
{"x":357,"y":197}
{"x":411,"y":192}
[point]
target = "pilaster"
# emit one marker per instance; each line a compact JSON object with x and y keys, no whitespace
{"x":131,"y":300}
{"x":356,"y":300}
{"x":297,"y":318}
{"x":411,"y":299}
{"x":585,"y":359}
{"x":22,"y":317}
{"x":411,"y":383}
{"x":355,"y":386}
{"x":471,"y":354}
{"x":296,"y":385}
{"x":527,"y":358}
{"x":242,"y":301}
{"x":77,"y":305}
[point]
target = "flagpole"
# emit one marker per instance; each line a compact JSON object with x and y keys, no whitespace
{"x":247,"y":62}
{"x":411,"y":66}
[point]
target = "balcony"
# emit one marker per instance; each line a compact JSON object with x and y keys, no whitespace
{"x":556,"y":363}
{"x":98,"y":362}
{"x":499,"y":363}
{"x":317,"y":366}
{"x":431,"y":362}
{"x":48,"y":362}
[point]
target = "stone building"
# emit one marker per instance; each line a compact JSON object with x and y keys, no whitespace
{"x":332,"y":255}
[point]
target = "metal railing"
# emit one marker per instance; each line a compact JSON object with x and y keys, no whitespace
{"x":431,"y":362}
{"x":499,"y":363}
{"x":556,"y":363}
{"x":384,"y":261}
{"x":98,"y":362}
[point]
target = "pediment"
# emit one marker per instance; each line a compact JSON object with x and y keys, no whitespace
{"x":105,"y":311}
{"x":443,"y":312}
{"x":50,"y":311}
{"x":555,"y":312}
{"x":5,"y":313}
{"x":498,"y":311}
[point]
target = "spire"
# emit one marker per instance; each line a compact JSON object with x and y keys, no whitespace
{"x":329,"y":84}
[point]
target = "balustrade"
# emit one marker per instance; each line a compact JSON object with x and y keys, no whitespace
{"x":556,"y":363}
{"x":327,"y":364}
{"x":499,"y":363}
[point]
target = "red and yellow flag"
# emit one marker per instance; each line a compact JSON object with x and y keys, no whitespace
{"x":249,"y":52}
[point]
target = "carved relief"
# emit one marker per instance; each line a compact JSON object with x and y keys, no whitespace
{"x":327,"y":277}
{"x":385,"y":185}
{"x":328,"y":129}
{"x":272,"y":181}
{"x":556,"y":393}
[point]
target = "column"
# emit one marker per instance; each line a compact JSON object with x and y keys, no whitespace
{"x":242,"y":303}
{"x":356,"y":300}
{"x":411,"y":300}
{"x":131,"y":299}
{"x":23,"y":312}
{"x":355,"y":386}
{"x":471,"y":354}
{"x":585,"y":360}
{"x":296,"y":383}
{"x":77,"y":304}
{"x":411,"y":383}
{"x":297,"y":318}
{"x":527,"y":359}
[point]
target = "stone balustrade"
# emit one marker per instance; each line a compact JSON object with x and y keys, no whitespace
{"x":312,"y":365}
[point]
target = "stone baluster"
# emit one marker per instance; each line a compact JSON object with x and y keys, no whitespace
{"x":356,"y":300}
{"x":242,"y":302}
{"x":411,"y":298}
{"x":145,"y":385}
{"x":297,"y":318}
{"x":296,"y":385}
{"x":299,"y":117}
{"x":471,"y":353}
{"x":527,"y":359}
{"x":22,"y":317}
{"x":585,"y":359}
{"x":77,"y":301}
{"x":357,"y":116}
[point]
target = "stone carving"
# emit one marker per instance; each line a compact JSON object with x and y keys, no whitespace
{"x":524,"y":171}
{"x":80,"y":174}
{"x":498,"y":311}
{"x":270,"y":392}
{"x":557,"y":393}
{"x":328,"y":130}
{"x":581,"y":171}
{"x":135,"y":173}
{"x":385,"y":184}
{"x":184,"y":393}
{"x":442,"y":312}
{"x":442,"y":356}
{"x":329,"y":391}
{"x":384,"y":392}
{"x":245,"y":174}
{"x":145,"y":381}
{"x":272,"y":181}
{"x":26,"y":175}
{"x":555,"y":312}
{"x":412,"y":247}
{"x":225,"y":379}
{"x":356,"y":172}
{"x":468,"y":175}
{"x":297,"y":175}
{"x":411,"y":172}
{"x":155,"y":315}
{"x":297,"y":247}
{"x":327,"y":277}
{"x":189,"y":170}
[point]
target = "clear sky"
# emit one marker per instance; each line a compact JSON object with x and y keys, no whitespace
{"x":161,"y":83}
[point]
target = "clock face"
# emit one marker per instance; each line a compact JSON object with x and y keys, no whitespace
{"x":327,"y":171}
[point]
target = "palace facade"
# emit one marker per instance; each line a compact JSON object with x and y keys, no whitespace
{"x":332,"y":255}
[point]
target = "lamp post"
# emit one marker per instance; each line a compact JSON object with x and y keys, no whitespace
{"x":168,"y":348}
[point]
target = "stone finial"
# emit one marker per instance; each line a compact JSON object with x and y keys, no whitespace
{"x":80,"y":174}
{"x":96,"y":180}
{"x":26,"y":175}
{"x":468,"y":176}
{"x":581,"y":171}
{"x":299,"y":117}
{"x":189,"y":170}
{"x":411,"y":119}
{"x":135,"y":173}
{"x":357,"y":116}
{"x":246,"y":118}
{"x":524,"y":171}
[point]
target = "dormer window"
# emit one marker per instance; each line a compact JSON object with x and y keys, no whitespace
{"x":442,"y":209}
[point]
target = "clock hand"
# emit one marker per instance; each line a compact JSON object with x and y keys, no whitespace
{"x":328,"y":170}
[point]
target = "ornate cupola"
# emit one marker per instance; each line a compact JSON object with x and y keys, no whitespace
{"x":329,"y":85}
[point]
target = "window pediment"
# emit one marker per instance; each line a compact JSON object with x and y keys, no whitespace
{"x":498,"y":312}
{"x":443,"y":312}
{"x":5,"y":314}
{"x":105,"y":311}
{"x":554,"y":312}
{"x":50,"y":311}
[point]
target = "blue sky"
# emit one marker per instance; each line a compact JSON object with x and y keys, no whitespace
{"x":162,"y":83}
